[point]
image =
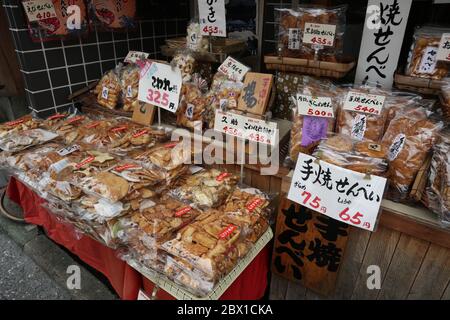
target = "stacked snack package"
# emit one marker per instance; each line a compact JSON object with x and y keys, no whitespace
{"x":408,"y":140}
{"x":195,"y":41}
{"x":308,"y":128}
{"x":68,"y":128}
{"x":363,"y":113}
{"x":438,"y":187}
{"x":206,"y":189}
{"x":146,"y":229}
{"x":361,"y":156}
{"x":24,"y":123}
{"x":108,"y":89}
{"x":289,"y":33}
{"x":193,"y":105}
{"x":223,"y":95}
{"x":210,"y":247}
{"x":312,"y":32}
{"x":130,"y":87}
{"x":184,"y":61}
{"x":21,"y":140}
{"x":315,"y":22}
{"x":445,"y":100}
{"x":422,"y":60}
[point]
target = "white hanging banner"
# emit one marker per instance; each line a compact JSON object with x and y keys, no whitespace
{"x":341,"y":194}
{"x":212,"y":17}
{"x":160,"y":85}
{"x":382,"y":40}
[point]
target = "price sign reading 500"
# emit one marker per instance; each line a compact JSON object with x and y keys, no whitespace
{"x":160,"y":85}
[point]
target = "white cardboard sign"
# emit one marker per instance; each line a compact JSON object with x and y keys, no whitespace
{"x":319,"y":34}
{"x":315,"y":106}
{"x":212,"y":17}
{"x":363,"y":102}
{"x":444,"y":48}
{"x":234,"y":69}
{"x":160,"y":85}
{"x":246,"y":128}
{"x":341,"y":194}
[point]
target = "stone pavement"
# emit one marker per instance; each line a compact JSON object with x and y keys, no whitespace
{"x":34,"y":267}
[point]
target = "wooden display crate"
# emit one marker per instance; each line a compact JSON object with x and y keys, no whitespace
{"x":418,"y":85}
{"x":317,"y":68}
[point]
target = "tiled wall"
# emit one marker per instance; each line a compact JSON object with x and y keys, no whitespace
{"x":52,"y":70}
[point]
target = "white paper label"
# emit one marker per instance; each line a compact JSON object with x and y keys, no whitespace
{"x":190,"y":111}
{"x":160,"y":85}
{"x":396,"y":146}
{"x":68,"y":150}
{"x":142,"y":295}
{"x":319,"y":34}
{"x":108,"y":209}
{"x":212,"y":17}
{"x":294,"y":38}
{"x":134,"y":56}
{"x":234,"y":69}
{"x":105,"y":92}
{"x":195,"y":169}
{"x":246,"y":128}
{"x":359,"y":125}
{"x":428,"y":61}
{"x":362,"y":102}
{"x":315,"y":106}
{"x":37,"y":10}
{"x":339,"y":193}
{"x":129,"y":92}
{"x":60,"y":165}
{"x":444,"y":48}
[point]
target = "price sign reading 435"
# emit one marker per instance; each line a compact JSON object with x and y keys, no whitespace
{"x":341,"y":194}
{"x":319,"y":34}
{"x":160,"y":85}
{"x":212,"y":17}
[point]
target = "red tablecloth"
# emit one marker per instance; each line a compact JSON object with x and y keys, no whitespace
{"x":251,"y":284}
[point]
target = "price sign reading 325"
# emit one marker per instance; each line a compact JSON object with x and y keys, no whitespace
{"x":160,"y":85}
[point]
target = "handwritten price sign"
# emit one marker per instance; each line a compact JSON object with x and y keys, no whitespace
{"x":246,"y":128}
{"x":339,"y":193}
{"x":366,"y":103}
{"x":37,"y":10}
{"x":160,"y":85}
{"x":315,"y":106}
{"x":234,"y":69}
{"x":212,"y":17}
{"x":319,"y":34}
{"x":444,"y":48}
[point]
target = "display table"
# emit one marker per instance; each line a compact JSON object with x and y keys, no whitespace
{"x":125,"y":280}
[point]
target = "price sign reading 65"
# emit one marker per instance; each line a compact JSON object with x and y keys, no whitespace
{"x":341,"y":194}
{"x":160,"y":85}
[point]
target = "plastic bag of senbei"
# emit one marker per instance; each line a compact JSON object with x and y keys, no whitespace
{"x":56,"y":19}
{"x":108,"y":15}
